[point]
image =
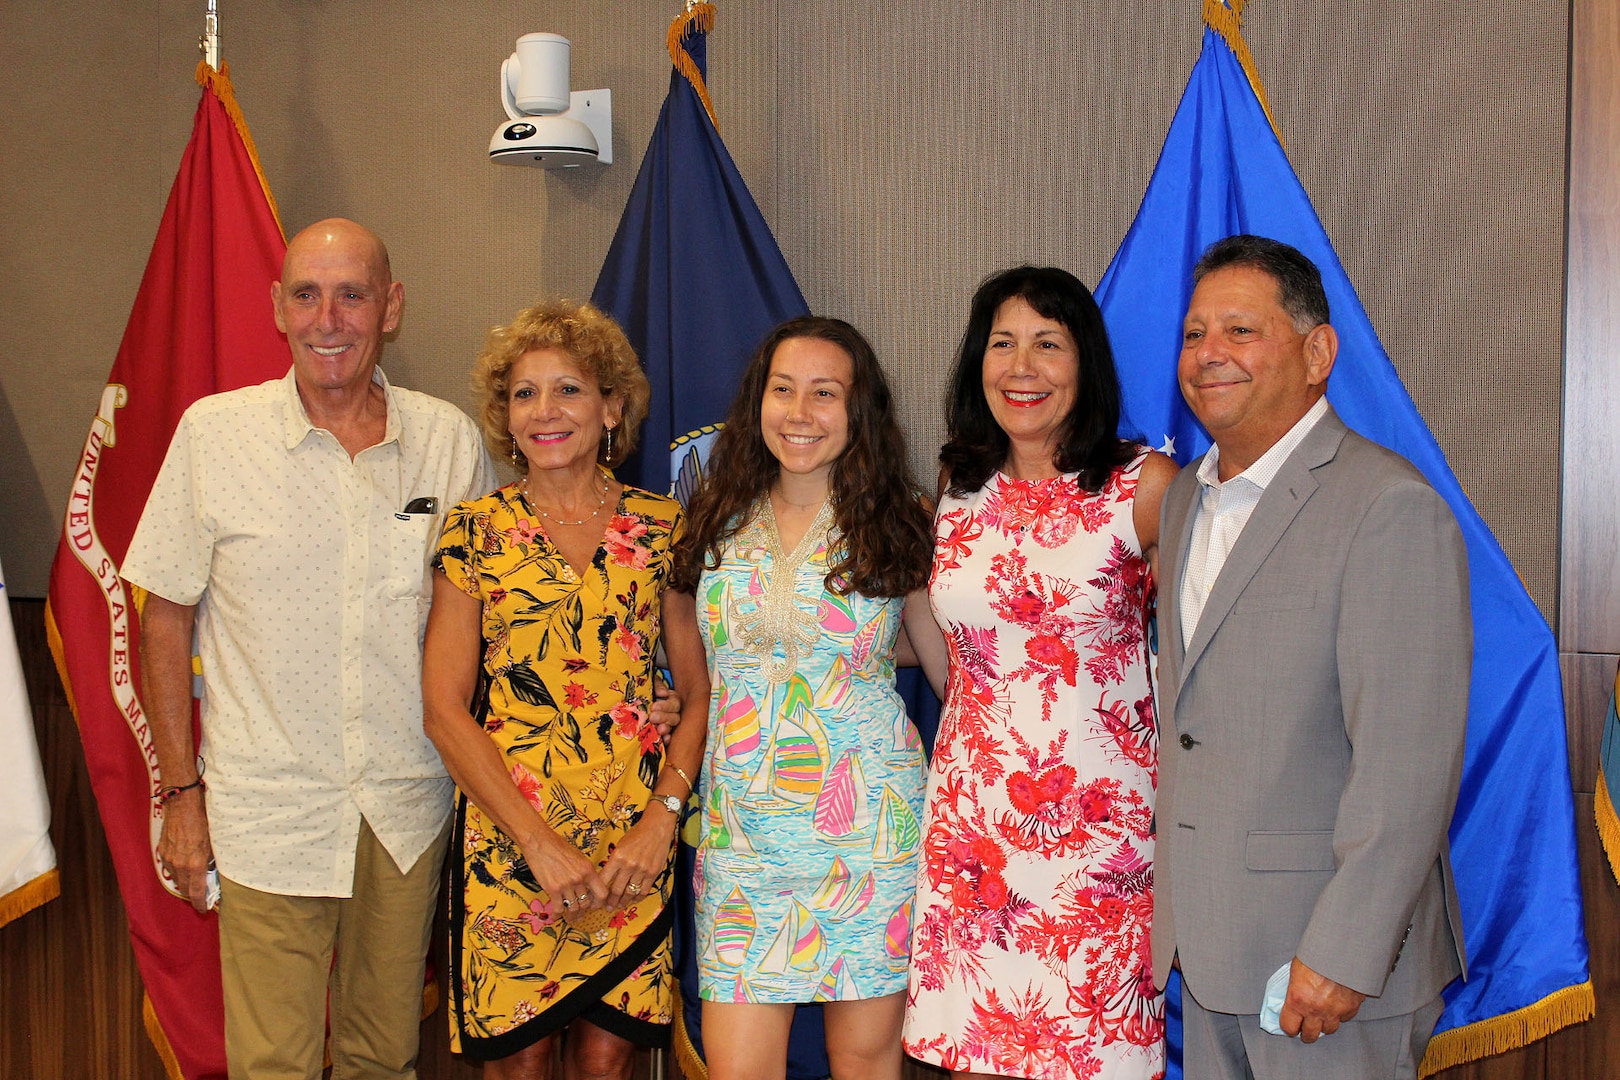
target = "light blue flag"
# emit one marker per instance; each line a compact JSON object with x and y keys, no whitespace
{"x":1223,"y":171}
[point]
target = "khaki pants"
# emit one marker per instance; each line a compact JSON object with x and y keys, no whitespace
{"x":276,"y":959}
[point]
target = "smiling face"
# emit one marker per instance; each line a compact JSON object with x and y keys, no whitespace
{"x":804,"y":416}
{"x":335,"y":301}
{"x":1247,"y":372}
{"x":556,"y":411}
{"x":1031,"y":377}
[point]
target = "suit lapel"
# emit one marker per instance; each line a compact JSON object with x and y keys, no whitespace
{"x":1175,"y":536}
{"x":1284,"y":497}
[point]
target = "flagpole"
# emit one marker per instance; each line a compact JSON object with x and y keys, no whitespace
{"x":209,"y":43}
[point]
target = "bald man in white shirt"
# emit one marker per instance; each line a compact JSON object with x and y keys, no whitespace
{"x":291,"y":526}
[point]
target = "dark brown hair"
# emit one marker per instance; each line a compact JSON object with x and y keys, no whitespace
{"x":886,"y":544}
{"x":1088,"y":443}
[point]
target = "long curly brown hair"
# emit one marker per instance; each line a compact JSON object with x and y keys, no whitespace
{"x":887,"y":536}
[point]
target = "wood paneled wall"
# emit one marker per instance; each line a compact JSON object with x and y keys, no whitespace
{"x":1589,"y":559}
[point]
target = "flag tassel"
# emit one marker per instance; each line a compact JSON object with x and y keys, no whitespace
{"x":160,"y":1040}
{"x":1608,"y":824}
{"x":1228,"y":22}
{"x":699,"y":17}
{"x":1499,"y":1034}
{"x":692,"y":1065}
{"x":20,"y":901}
{"x":220,"y":83}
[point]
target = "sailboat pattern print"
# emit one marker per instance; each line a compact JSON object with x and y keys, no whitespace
{"x":812,"y":794}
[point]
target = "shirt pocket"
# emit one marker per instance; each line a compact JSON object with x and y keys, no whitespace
{"x":411,"y":538}
{"x":1299,"y":851}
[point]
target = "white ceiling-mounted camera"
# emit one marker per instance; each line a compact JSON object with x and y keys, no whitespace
{"x":550,"y":127}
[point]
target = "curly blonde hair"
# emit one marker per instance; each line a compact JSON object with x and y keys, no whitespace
{"x":594,"y":342}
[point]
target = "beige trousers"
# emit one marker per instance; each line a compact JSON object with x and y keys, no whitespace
{"x":276,"y":956}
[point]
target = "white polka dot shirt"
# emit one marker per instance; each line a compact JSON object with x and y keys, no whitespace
{"x":312,"y":589}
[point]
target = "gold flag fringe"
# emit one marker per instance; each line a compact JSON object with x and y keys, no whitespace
{"x":686,"y":1055}
{"x":1608,"y":824}
{"x":160,"y":1040}
{"x":220,"y":83}
{"x":25,"y":898}
{"x":1227,"y":21}
{"x":53,"y":638}
{"x":701,"y":18}
{"x":1499,"y":1034}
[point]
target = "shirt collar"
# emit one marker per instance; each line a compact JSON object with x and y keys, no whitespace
{"x":1267,"y":465}
{"x":295,"y":420}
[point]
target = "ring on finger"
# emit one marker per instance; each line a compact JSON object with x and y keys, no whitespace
{"x":634,"y":888}
{"x":581,"y":898}
{"x":568,"y":903}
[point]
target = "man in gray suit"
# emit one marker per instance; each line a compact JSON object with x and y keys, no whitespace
{"x":1314,"y":660}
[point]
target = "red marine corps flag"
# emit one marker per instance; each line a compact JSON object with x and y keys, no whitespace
{"x":201,"y":324}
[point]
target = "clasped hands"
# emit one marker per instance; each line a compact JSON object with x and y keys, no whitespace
{"x":573,"y":881}
{"x":1316,"y":1005}
{"x":576,"y":886}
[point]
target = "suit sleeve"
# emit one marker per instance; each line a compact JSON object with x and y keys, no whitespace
{"x":1405,"y":645}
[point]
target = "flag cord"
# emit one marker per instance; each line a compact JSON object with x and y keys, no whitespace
{"x":701,"y":18}
{"x":219,"y":81}
{"x":1227,"y":21}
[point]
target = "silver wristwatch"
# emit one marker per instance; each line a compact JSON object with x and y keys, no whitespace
{"x":672,"y":803}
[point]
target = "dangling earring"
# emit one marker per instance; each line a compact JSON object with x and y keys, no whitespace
{"x":515,"y":454}
{"x":607,"y":455}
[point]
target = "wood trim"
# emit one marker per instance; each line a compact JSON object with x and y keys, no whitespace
{"x":1589,"y":562}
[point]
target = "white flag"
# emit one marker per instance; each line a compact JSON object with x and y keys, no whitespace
{"x":27,"y":859}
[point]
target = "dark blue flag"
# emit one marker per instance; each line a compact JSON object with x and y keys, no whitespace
{"x":1224,"y":171}
{"x":694,"y":275}
{"x":696,"y":279}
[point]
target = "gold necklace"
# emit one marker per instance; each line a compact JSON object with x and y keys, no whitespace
{"x":600,"y":502}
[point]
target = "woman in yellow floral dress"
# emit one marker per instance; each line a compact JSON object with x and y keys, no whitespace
{"x":537,"y":686}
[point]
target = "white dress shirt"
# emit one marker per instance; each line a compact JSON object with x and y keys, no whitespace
{"x":1224,"y":508}
{"x":312,"y":590}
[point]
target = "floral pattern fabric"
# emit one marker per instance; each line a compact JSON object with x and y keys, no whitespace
{"x":812,"y":790}
{"x":566,"y":697}
{"x":1030,"y":956}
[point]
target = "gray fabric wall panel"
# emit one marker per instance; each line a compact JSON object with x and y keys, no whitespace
{"x":901,"y":152}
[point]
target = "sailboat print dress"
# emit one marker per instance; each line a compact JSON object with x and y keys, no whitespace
{"x":1031,"y":951}
{"x":812,"y":785}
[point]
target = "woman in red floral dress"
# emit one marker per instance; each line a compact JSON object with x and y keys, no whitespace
{"x":1030,"y":950}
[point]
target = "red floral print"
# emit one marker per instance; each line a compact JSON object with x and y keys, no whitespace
{"x":1030,"y":942}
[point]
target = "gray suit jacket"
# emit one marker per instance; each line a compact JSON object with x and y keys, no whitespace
{"x":1312,"y":735}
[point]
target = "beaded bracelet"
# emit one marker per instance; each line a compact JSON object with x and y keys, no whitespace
{"x":165,"y":794}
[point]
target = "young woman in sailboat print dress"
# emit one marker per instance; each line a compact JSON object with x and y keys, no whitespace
{"x":809,"y":550}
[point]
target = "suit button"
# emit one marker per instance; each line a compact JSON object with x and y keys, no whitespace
{"x":1187,"y":742}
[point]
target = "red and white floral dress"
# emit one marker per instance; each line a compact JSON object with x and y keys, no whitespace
{"x":1030,"y":950}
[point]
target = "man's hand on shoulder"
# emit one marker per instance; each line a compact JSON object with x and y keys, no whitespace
{"x":1316,"y":1005}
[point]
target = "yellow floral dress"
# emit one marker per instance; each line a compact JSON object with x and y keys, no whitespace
{"x":564,"y":693}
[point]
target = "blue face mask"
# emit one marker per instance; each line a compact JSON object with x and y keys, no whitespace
{"x":1276,"y":994}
